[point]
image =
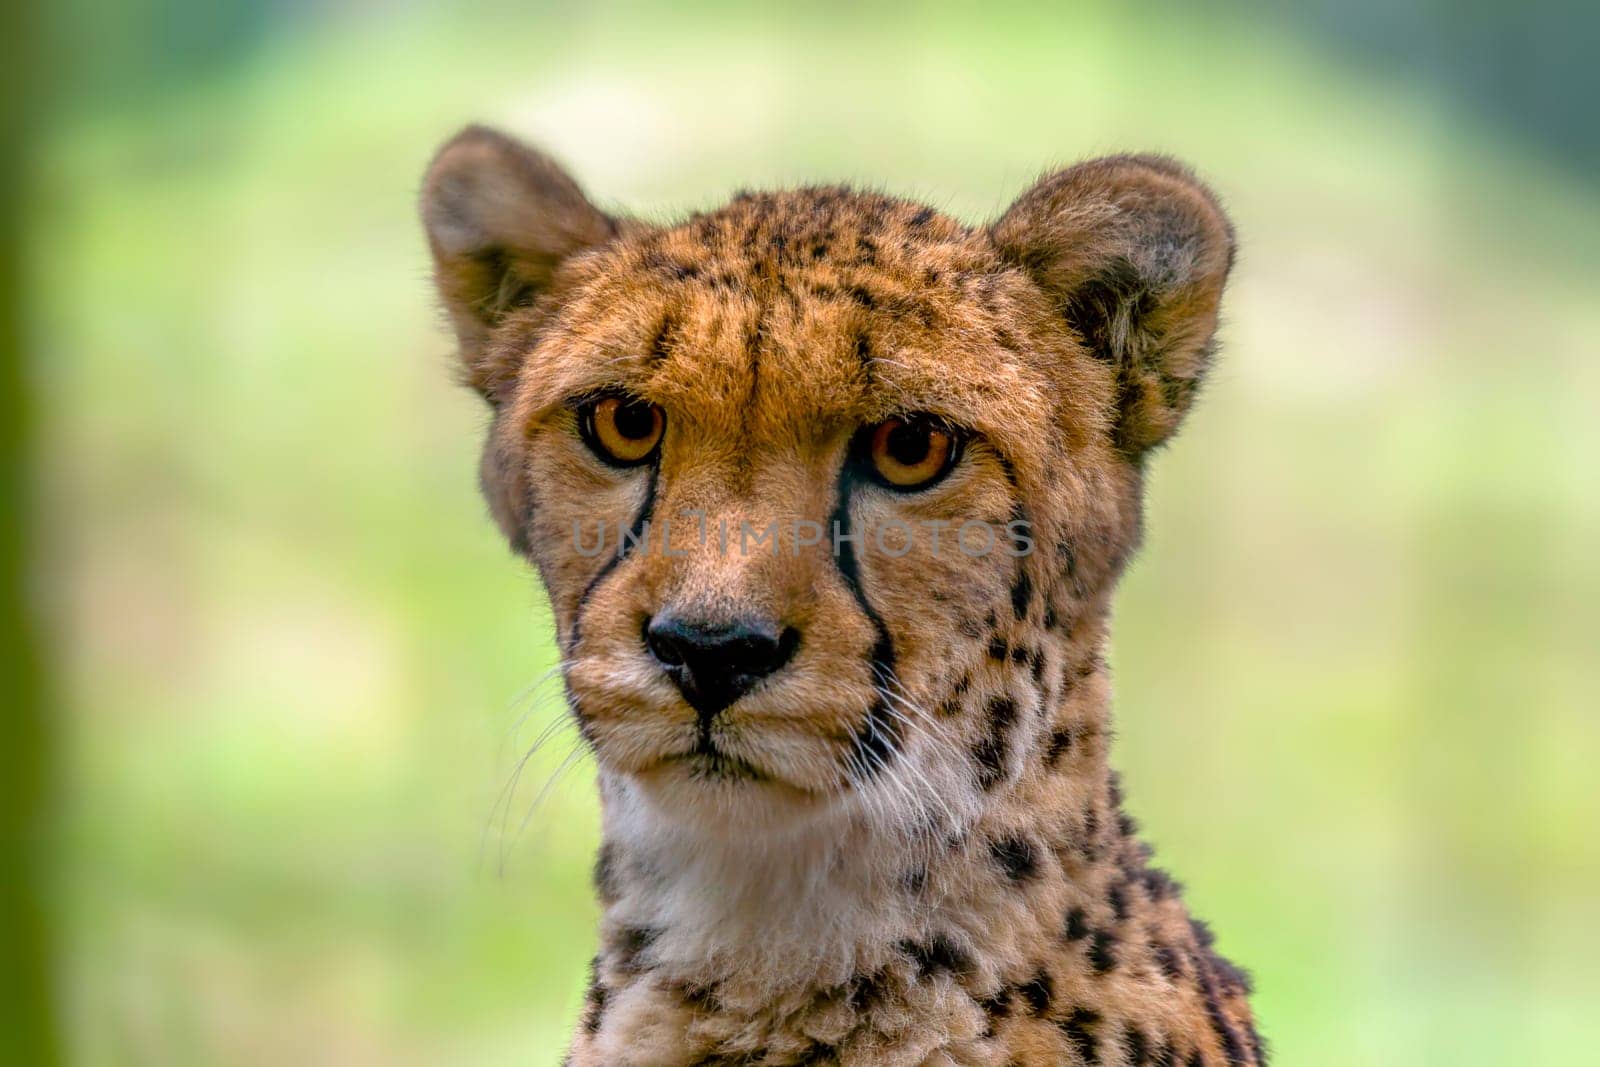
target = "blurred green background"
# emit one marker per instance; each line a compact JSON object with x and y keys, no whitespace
{"x":293,"y":669}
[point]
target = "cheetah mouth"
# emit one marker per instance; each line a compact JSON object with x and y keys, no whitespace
{"x":707,"y":761}
{"x":710,"y":766}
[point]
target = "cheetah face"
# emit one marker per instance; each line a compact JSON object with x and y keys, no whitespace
{"x":810,"y":476}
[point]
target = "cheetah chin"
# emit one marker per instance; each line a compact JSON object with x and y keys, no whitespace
{"x":829,"y":493}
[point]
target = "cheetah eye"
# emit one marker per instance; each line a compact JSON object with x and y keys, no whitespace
{"x":912,"y":452}
{"x":621,"y":430}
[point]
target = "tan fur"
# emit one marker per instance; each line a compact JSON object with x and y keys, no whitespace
{"x":926,"y":863}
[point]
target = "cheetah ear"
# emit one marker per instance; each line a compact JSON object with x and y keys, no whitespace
{"x":1135,"y":251}
{"x":501,"y":217}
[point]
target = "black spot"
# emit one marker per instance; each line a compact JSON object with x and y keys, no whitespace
{"x":1127,"y":824}
{"x":1232,"y":1046}
{"x":990,"y":752}
{"x":863,"y":349}
{"x":1159,"y":884}
{"x":1164,"y":1057}
{"x":998,"y":649}
{"x":700,"y":997}
{"x":1066,"y":682}
{"x":1091,"y":829}
{"x":631,"y":942}
{"x":1021,"y":596}
{"x":1069,"y":558}
{"x":1037,"y":991}
{"x":1177,"y":392}
{"x":865,"y":989}
{"x":995,"y":1008}
{"x":1016,"y":856}
{"x":1118,"y":896}
{"x":862,"y":297}
{"x":1019,"y":655}
{"x":1195,"y":1059}
{"x":1236,"y":981}
{"x":662,"y":342}
{"x":922,"y":217}
{"x":594,"y":998}
{"x":940,"y":953}
{"x":1036,"y":665}
{"x":990,"y":758}
{"x":816,"y":1055}
{"x":1059,"y":744}
{"x":996,"y":1005}
{"x":1077,"y":927}
{"x":1257,"y":1045}
{"x":1077,"y":1028}
{"x":1168,"y":959}
{"x":1101,"y":955}
{"x":683,"y":272}
{"x":1019,"y":526}
{"x":1137,"y":1046}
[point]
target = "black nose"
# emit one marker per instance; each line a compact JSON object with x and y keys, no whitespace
{"x":716,"y":663}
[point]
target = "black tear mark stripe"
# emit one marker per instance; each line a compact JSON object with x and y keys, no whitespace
{"x":1022,"y":590}
{"x":879,"y":737}
{"x":636,"y":533}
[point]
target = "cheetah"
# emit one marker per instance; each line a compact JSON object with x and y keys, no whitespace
{"x":829,"y":493}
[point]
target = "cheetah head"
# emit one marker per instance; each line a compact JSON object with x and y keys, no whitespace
{"x":820,"y":480}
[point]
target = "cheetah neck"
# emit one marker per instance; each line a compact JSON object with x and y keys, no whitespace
{"x":1022,"y":921}
{"x":774,"y":915}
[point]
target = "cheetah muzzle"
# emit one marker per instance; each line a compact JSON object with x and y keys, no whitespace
{"x":829,"y":493}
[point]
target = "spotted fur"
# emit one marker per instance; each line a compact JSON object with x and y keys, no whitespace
{"x":907,"y":846}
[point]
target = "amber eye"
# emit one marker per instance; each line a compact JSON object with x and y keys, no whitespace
{"x":912,"y":452}
{"x":622,"y":430}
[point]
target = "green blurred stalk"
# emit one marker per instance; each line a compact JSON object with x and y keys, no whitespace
{"x":27,"y":1015}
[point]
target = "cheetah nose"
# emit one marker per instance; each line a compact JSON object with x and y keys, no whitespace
{"x":716,"y":663}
